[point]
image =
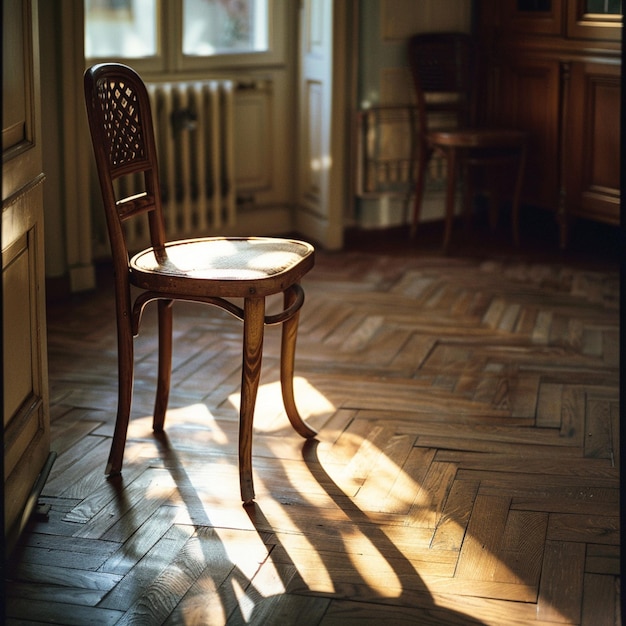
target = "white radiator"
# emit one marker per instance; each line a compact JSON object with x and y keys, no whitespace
{"x":194,"y":132}
{"x":386,"y":164}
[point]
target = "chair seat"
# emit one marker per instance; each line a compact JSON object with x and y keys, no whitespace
{"x":235,"y":267}
{"x":477,"y":138}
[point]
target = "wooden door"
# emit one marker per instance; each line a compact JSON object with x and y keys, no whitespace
{"x":26,"y":413}
{"x":323,"y":123}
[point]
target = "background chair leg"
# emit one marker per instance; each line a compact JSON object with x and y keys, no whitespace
{"x":125,"y":356}
{"x":467,"y":182}
{"x":419,"y":191}
{"x":450,"y":197}
{"x":253,"y":326}
{"x":165,"y":364}
{"x":517,"y":192}
{"x":287,"y":363}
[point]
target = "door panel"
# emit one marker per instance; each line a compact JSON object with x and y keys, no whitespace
{"x":323,"y":183}
{"x":25,"y":384}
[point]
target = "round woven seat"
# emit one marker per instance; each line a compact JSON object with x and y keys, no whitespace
{"x":242,"y":266}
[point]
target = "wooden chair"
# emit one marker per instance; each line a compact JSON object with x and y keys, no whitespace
{"x":211,"y":270}
{"x":444,"y":75}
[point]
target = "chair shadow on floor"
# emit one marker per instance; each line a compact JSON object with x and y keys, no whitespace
{"x":354,"y":600}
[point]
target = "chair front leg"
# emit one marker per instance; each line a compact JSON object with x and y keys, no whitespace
{"x":287,"y":363}
{"x":253,"y":327}
{"x":165,"y":364}
{"x":125,"y":356}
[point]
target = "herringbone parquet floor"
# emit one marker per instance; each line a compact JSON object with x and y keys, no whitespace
{"x":466,"y":470}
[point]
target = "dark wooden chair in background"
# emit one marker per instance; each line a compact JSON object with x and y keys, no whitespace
{"x":212,"y":270}
{"x":443,"y":66}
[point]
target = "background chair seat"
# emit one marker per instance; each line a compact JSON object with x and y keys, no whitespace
{"x":479,"y":138}
{"x":444,"y":71}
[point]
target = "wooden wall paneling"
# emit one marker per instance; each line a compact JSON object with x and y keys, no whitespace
{"x":550,"y":69}
{"x":529,"y":20}
{"x":592,"y":172}
{"x":528,"y":97}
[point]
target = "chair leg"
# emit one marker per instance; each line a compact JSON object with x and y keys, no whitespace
{"x":253,"y":327}
{"x":165,"y":364}
{"x":468,"y":193}
{"x":517,"y":192}
{"x":125,"y":356}
{"x":494,"y":210}
{"x":424,"y":158}
{"x":450,"y":196}
{"x":287,"y":363}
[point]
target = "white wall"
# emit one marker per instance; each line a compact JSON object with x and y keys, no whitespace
{"x":49,"y":29}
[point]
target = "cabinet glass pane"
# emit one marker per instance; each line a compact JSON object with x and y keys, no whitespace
{"x":213,"y":27}
{"x":605,"y":7}
{"x":540,"y":6}
{"x":121,"y":29}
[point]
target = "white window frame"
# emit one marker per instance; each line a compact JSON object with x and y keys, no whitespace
{"x":169,"y":58}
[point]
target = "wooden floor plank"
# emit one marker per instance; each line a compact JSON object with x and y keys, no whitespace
{"x":561,"y":589}
{"x":600,"y":600}
{"x":148,"y":569}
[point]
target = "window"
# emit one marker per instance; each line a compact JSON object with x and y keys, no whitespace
{"x":171,"y":35}
{"x":224,"y":27}
{"x":124,"y":29}
{"x":604,"y":7}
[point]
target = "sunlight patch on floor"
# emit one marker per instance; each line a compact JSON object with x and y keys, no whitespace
{"x":269,"y":414}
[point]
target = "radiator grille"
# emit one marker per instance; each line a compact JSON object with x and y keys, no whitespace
{"x":194,"y":132}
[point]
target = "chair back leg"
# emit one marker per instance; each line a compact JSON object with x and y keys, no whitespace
{"x":287,"y":364}
{"x":452,"y":167}
{"x":422,"y":163}
{"x":517,"y":192}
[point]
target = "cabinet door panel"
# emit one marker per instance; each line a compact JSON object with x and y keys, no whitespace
{"x":528,"y":98}
{"x":592,"y":157}
{"x":599,"y":20}
{"x":533,"y":16}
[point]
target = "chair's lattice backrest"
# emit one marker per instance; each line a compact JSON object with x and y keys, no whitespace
{"x":443,"y":64}
{"x":120,"y":122}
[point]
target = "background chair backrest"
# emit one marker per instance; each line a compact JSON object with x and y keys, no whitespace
{"x":443,"y":70}
{"x":120,"y":122}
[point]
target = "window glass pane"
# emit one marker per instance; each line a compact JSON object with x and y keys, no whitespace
{"x":224,"y":27}
{"x":613,"y":7}
{"x":120,"y":28}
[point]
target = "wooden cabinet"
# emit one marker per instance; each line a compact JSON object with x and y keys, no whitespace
{"x":552,"y":67}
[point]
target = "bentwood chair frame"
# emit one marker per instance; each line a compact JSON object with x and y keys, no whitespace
{"x":444,"y":71}
{"x":211,"y":270}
